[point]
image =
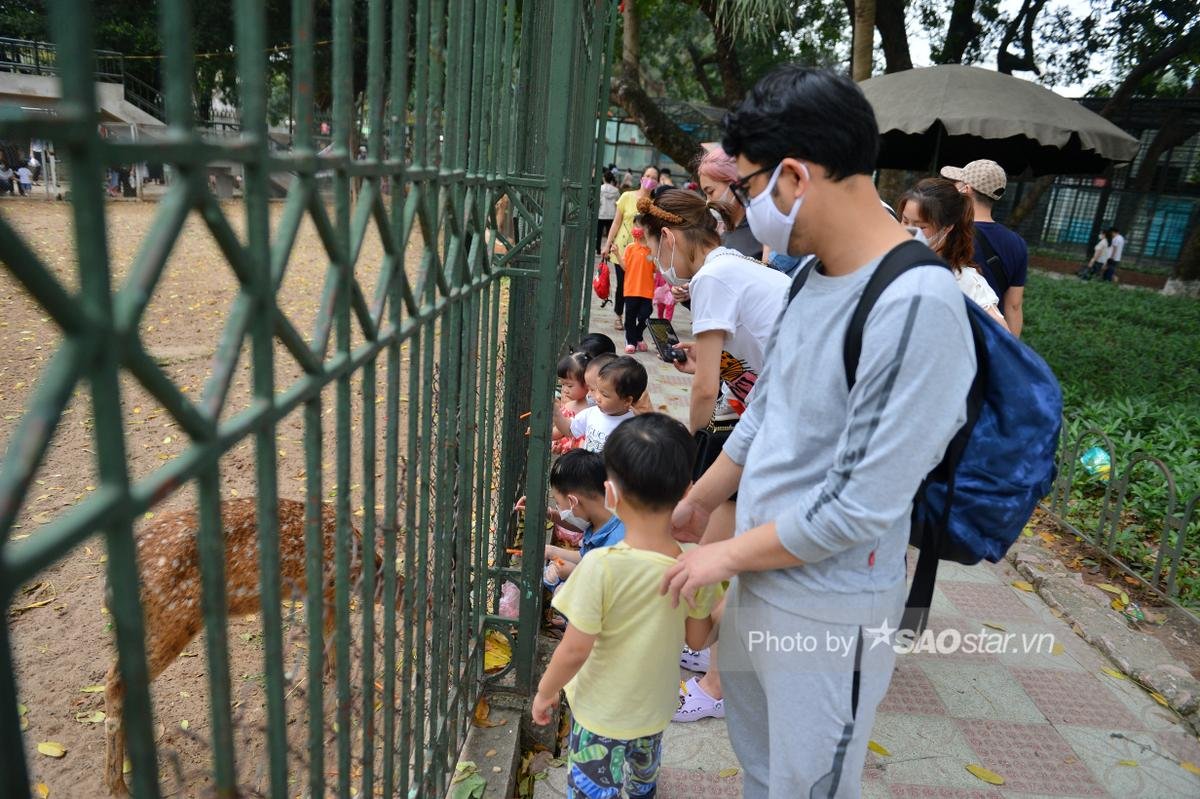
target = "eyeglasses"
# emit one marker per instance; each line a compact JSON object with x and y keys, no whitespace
{"x":741,"y":186}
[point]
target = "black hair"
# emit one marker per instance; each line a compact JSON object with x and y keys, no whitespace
{"x":650,"y":460}
{"x":664,"y":171}
{"x":601,"y":360}
{"x":579,"y":471}
{"x":573,"y":366}
{"x":628,"y":376}
{"x":813,"y":114}
{"x":594,"y":344}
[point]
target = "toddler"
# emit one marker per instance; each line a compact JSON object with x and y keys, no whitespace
{"x":639,"y":291}
{"x":577,"y":488}
{"x":571,"y":371}
{"x":617,"y":659}
{"x":664,"y":300}
{"x":618,"y":385}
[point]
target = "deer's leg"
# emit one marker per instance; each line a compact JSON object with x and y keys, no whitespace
{"x":114,"y":733}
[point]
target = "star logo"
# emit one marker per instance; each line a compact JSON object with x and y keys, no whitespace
{"x":881,"y":634}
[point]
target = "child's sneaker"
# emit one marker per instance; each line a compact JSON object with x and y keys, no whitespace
{"x":695,"y":660}
{"x":695,"y":704}
{"x":641,"y":346}
{"x":630,"y":349}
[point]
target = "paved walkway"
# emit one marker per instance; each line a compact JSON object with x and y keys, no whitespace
{"x":1052,"y":723}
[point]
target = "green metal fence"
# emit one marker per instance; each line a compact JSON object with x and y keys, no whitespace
{"x":475,"y":110}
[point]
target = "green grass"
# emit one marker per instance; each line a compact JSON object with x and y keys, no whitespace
{"x":1129,"y":363}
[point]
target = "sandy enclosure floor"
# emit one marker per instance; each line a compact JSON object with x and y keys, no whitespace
{"x":63,"y":646}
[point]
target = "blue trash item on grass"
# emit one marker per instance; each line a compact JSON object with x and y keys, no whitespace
{"x":1096,"y":462}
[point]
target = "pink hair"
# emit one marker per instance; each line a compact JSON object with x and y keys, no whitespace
{"x":718,"y":165}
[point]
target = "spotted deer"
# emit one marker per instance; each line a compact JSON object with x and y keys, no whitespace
{"x":169,"y":567}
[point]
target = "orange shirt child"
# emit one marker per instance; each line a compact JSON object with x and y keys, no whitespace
{"x":639,"y":271}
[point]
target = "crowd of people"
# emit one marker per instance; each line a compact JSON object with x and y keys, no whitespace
{"x":782,"y":504}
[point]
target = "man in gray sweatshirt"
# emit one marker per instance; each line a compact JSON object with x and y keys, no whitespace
{"x":825,"y":474}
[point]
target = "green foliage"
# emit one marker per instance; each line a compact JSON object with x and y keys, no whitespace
{"x":1129,"y":364}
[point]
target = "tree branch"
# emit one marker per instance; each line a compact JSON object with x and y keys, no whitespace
{"x":729,"y":66}
{"x":699,"y":63}
{"x":1006,"y":62}
{"x":960,"y":32}
{"x":1154,"y":63}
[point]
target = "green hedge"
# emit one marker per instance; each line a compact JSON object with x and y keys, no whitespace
{"x":1129,"y":363}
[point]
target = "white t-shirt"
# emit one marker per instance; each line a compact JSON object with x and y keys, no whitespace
{"x":597,"y":426}
{"x":742,"y":298}
{"x":1118,"y":248}
{"x":976,"y":287}
{"x":24,"y":175}
{"x":1101,"y":250}
{"x":608,"y":201}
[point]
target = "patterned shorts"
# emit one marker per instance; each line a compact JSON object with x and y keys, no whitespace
{"x":598,"y":766}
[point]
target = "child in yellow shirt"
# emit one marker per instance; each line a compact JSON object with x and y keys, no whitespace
{"x":618,"y":658}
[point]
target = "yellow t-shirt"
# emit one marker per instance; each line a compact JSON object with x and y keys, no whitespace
{"x":629,"y":685}
{"x":627,"y":205}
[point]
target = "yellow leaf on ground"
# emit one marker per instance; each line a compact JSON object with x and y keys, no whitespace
{"x":497,"y":652}
{"x":1057,"y":649}
{"x":1162,"y":700}
{"x":878,"y":749}
{"x":994,"y":626}
{"x":728,"y":772}
{"x":185,"y":724}
{"x":52,"y":749}
{"x":482,"y":712}
{"x":1024,"y":585}
{"x":1190,"y":766}
{"x":1124,"y":598}
{"x":1112,"y":589}
{"x":1116,"y":604}
{"x":1116,"y":675}
{"x":43,"y":790}
{"x":990,"y":777}
{"x":94,"y":717}
{"x":92,"y":689}
{"x":1127,"y":762}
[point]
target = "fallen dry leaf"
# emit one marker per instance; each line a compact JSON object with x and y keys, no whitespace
{"x":43,"y":790}
{"x":1127,"y":762}
{"x":990,"y":777}
{"x":1023,"y":585}
{"x":1157,"y":697}
{"x":482,"y":712}
{"x":1112,"y":589}
{"x":92,"y":689}
{"x":728,"y":772}
{"x":1116,"y":675}
{"x":1190,"y":767}
{"x":878,"y":749}
{"x":51,"y":749}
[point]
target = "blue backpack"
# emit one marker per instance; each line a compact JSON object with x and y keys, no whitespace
{"x":975,"y":503}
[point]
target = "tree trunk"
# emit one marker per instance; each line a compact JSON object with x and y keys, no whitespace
{"x":864,"y":39}
{"x":1030,"y":200}
{"x":1185,"y":279}
{"x":627,"y":92}
{"x":960,"y":32}
{"x":889,"y":20}
{"x":729,"y":66}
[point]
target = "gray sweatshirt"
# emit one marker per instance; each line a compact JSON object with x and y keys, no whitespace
{"x":836,"y":470}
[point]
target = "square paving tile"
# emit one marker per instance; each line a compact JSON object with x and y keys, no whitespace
{"x":925,"y":750}
{"x":1077,"y":698}
{"x":1150,"y":715}
{"x":985,"y":602}
{"x":1180,"y":744}
{"x":911,"y":691}
{"x":1130,"y":764}
{"x":698,"y":744}
{"x":981,"y":691}
{"x":1032,"y":758}
{"x":939,"y":623}
{"x":675,"y":783}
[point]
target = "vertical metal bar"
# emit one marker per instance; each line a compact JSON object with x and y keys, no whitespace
{"x":565,"y":16}
{"x":71,"y":21}
{"x":251,"y":37}
{"x":211,"y":546}
{"x":314,"y":603}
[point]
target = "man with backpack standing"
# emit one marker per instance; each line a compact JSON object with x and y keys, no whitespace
{"x":1000,"y":253}
{"x":826,"y":474}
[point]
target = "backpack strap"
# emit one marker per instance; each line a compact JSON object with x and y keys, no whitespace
{"x":800,"y":279}
{"x":994,"y":264}
{"x":899,"y":260}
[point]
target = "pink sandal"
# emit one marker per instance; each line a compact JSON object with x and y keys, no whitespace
{"x":695,"y":704}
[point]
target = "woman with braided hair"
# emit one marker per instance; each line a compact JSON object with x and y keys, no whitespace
{"x":735,"y":303}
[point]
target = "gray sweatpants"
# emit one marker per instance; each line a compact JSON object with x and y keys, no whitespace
{"x":799,"y":714}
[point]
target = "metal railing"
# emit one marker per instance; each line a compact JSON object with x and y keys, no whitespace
{"x":1107,"y":527}
{"x":29,"y":57}
{"x":484,"y":273}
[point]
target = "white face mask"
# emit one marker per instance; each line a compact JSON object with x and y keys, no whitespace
{"x":670,"y":274}
{"x":569,"y":516}
{"x":608,"y":484}
{"x":769,"y":226}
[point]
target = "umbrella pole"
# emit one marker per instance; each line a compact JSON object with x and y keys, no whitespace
{"x":937,"y":147}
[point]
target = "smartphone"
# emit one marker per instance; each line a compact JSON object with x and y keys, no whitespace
{"x":665,"y":341}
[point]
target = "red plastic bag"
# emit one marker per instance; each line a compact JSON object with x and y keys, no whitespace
{"x":601,"y":282}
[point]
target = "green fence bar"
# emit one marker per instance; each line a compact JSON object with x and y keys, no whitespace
{"x":478,"y":169}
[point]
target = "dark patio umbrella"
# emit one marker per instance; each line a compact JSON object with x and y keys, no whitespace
{"x":953,"y":114}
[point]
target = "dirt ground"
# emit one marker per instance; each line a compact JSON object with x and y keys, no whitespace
{"x":64,"y":645}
